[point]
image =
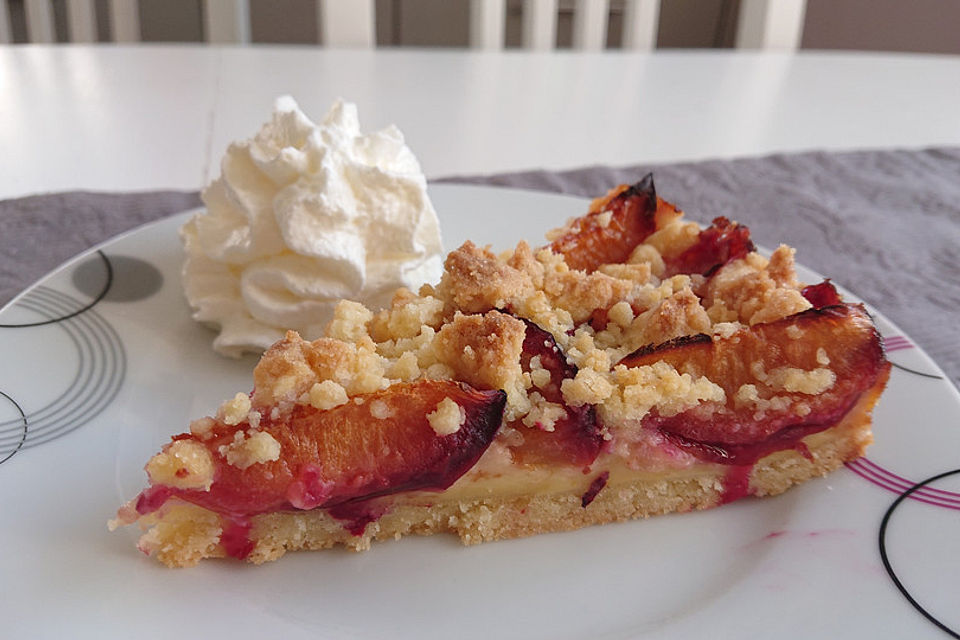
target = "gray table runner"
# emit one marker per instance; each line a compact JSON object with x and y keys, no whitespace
{"x":885,"y":224}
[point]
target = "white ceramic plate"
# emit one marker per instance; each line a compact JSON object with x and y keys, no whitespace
{"x":101,"y":391}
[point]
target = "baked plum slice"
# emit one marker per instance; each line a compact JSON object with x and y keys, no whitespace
{"x":374,"y":445}
{"x":573,"y":439}
{"x":595,"y":239}
{"x":783,"y":381}
{"x":821,"y":295}
{"x":720,"y":243}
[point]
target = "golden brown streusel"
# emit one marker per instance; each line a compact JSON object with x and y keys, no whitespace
{"x":249,"y":448}
{"x":447,"y":418}
{"x":754,"y":290}
{"x":326,"y":395}
{"x":184,"y":464}
{"x":235,"y":410}
{"x":674,"y":239}
{"x":466,"y":328}
{"x":797,"y":380}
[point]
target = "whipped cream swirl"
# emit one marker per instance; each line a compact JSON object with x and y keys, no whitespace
{"x":303,"y":215}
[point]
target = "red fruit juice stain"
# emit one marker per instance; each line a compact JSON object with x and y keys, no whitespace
{"x":355,"y":516}
{"x":235,"y":537}
{"x":309,"y":490}
{"x":152,"y":498}
{"x":803,"y":450}
{"x":736,"y":483}
{"x":598,"y":483}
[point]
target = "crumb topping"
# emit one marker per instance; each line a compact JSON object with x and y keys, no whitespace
{"x":822,"y":357}
{"x":675,"y":238}
{"x":467,"y":328}
{"x":249,"y":448}
{"x":543,"y":414}
{"x":183,"y":464}
{"x":235,"y":410}
{"x":754,"y":290}
{"x":326,"y":395}
{"x":202,"y":428}
{"x":474,"y":280}
{"x":447,"y":418}
{"x":637,"y":390}
{"x":381,"y":410}
{"x":799,"y":381}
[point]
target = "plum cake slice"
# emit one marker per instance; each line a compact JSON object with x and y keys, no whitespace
{"x":636,"y":365}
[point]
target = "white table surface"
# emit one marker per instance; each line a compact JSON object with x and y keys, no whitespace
{"x":152,"y":117}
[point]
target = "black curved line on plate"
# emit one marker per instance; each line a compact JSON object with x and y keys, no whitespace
{"x":102,"y":359}
{"x":882,"y":539}
{"x":111,"y":373}
{"x":86,"y":354}
{"x":30,"y":303}
{"x":23,"y":419}
{"x":109,"y":381}
{"x":109,"y":365}
{"x":100,"y":296}
{"x":73,"y":415}
{"x":919,"y":373}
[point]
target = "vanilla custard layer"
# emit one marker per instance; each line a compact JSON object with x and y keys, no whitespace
{"x":515,"y":481}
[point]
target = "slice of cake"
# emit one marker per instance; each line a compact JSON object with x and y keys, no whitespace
{"x":637,"y":365}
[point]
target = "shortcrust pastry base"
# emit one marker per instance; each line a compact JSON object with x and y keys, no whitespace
{"x":186,"y":534}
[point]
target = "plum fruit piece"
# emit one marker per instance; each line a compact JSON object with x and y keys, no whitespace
{"x":595,"y":238}
{"x":374,"y":445}
{"x":575,"y":439}
{"x":763,"y":370}
{"x":718,"y":244}
{"x":821,"y":295}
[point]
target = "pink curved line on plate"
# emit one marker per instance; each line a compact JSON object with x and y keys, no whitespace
{"x":899,"y":490}
{"x":870,"y":476}
{"x":888,"y":481}
{"x":894,"y":485}
{"x":901,"y":480}
{"x":913,"y":496}
{"x":895,"y":343}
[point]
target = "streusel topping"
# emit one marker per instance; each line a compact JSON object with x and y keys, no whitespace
{"x":468,"y":328}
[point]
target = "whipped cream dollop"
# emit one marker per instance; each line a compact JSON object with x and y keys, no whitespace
{"x":303,"y":215}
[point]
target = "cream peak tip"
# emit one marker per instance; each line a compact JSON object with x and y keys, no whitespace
{"x":286,"y":102}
